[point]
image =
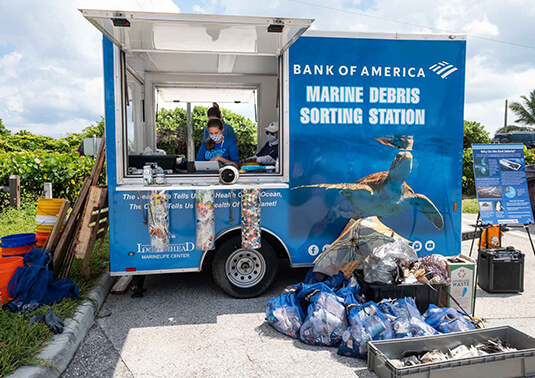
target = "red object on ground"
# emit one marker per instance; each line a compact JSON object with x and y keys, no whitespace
{"x":8,"y":267}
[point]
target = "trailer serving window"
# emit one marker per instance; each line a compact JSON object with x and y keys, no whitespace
{"x":190,"y":60}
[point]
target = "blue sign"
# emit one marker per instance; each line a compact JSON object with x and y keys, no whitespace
{"x":381,"y":121}
{"x":502,"y":191}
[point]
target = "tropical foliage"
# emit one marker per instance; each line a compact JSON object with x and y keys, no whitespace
{"x":171,"y":125}
{"x":64,"y":170}
{"x":526,"y":112}
{"x":38,"y":159}
{"x":473,"y":133}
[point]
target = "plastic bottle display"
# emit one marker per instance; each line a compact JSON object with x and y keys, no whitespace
{"x":205,"y":215}
{"x":159,"y":221}
{"x":250,"y":219}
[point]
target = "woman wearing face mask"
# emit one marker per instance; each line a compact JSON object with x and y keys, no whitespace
{"x":228,"y":131}
{"x":217,"y":147}
{"x":270,"y":152}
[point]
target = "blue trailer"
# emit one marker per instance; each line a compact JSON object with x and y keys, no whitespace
{"x":379,"y":117}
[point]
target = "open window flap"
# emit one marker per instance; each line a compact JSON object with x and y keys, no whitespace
{"x":207,"y":95}
{"x":213,"y":34}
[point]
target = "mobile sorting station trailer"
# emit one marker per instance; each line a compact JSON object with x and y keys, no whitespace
{"x":384,"y":108}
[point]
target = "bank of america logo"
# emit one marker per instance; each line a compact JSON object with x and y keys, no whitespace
{"x":443,"y":69}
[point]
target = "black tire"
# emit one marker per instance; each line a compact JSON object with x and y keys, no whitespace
{"x":226,"y":250}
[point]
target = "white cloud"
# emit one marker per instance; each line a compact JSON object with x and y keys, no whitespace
{"x":482,"y":28}
{"x":51,"y":81}
{"x":197,"y":8}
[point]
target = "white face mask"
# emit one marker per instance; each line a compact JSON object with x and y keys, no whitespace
{"x":216,"y":138}
{"x":271,"y":138}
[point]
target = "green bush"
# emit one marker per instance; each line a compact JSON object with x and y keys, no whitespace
{"x":171,"y":126}
{"x":474,"y":132}
{"x":469,"y":184}
{"x":26,"y":141}
{"x":64,"y":170}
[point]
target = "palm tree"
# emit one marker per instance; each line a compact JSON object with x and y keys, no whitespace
{"x":525,"y":113}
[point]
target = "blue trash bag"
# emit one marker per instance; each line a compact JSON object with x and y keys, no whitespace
{"x":355,"y":338}
{"x":405,"y":318}
{"x":349,"y":294}
{"x":326,"y":318}
{"x":284,"y":312}
{"x":334,"y":282}
{"x":366,"y":323}
{"x":34,"y":285}
{"x":313,"y":277}
{"x":337,"y":281}
{"x":446,"y":320}
{"x":399,"y":320}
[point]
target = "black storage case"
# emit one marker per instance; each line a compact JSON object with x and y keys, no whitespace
{"x":423,"y":294}
{"x":501,"y":270}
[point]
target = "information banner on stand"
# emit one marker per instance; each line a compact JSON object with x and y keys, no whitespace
{"x":502,"y":191}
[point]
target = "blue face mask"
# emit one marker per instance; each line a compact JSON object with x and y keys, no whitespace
{"x":271,"y":138}
{"x":216,"y":138}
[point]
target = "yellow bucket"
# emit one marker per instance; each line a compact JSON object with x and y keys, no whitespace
{"x":44,"y":228}
{"x":49,"y":206}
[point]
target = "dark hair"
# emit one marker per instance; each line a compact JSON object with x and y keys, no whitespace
{"x":214,"y":111}
{"x":210,"y":144}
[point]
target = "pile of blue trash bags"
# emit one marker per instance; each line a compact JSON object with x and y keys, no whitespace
{"x":332,"y":313}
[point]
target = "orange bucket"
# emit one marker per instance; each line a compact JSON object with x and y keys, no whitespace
{"x":16,"y":251}
{"x":8,"y":267}
{"x":41,"y":238}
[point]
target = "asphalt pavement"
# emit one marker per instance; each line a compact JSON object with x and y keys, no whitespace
{"x":185,"y":326}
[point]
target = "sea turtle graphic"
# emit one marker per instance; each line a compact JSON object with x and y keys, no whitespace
{"x":384,"y":194}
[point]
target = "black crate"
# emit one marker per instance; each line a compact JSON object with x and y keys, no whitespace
{"x":501,"y":270}
{"x":423,"y":294}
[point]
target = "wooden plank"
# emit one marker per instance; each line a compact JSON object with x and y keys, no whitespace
{"x":122,"y":285}
{"x":95,"y":201}
{"x":85,"y":265}
{"x":66,"y":236}
{"x":52,"y":237}
{"x":99,"y":161}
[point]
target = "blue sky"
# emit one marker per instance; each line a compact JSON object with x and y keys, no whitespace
{"x":51,"y":66}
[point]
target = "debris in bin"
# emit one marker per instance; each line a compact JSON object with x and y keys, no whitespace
{"x":159,"y":221}
{"x":357,"y":241}
{"x":250,"y":218}
{"x":493,"y":345}
{"x":437,"y":268}
{"x":205,"y":214}
{"x":382,"y":264}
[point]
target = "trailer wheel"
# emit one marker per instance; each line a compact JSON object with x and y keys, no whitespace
{"x":241,"y":272}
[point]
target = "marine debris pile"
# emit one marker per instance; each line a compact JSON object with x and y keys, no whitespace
{"x":333,"y":312}
{"x":491,"y":346}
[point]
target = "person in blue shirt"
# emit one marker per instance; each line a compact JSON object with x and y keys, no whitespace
{"x":217,"y":147}
{"x":228,"y":131}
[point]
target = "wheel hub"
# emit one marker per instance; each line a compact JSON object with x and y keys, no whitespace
{"x":245,"y":268}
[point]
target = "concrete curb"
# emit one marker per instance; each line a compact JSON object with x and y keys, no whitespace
{"x":57,"y":353}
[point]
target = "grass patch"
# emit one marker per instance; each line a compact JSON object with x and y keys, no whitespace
{"x":21,"y":342}
{"x":470,"y":206}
